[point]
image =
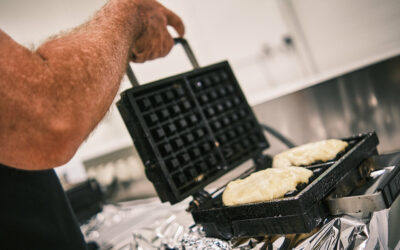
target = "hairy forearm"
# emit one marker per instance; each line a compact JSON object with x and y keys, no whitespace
{"x":87,"y":64}
{"x":53,"y":97}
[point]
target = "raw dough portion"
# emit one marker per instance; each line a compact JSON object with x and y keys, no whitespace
{"x":264,"y":185}
{"x":309,"y":153}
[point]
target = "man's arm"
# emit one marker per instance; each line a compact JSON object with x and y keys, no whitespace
{"x":52,"y":98}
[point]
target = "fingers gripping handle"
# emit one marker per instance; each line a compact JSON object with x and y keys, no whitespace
{"x":132,"y":78}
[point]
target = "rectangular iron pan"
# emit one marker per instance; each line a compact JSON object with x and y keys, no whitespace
{"x":299,"y":213}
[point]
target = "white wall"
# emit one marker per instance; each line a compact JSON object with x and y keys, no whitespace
{"x":342,"y":32}
{"x":31,"y":22}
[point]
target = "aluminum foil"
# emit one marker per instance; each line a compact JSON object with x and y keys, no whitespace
{"x":148,"y":224}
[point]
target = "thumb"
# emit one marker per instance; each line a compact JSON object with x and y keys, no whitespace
{"x":175,"y":21}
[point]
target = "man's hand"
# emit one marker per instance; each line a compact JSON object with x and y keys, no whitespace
{"x":154,"y":39}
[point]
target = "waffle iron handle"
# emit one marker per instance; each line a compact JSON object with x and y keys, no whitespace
{"x":390,"y":186}
{"x":132,"y":78}
{"x":188,"y":51}
{"x":383,"y":196}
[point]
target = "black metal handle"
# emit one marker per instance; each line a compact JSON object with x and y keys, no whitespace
{"x":188,"y":50}
{"x":132,"y":78}
{"x":390,"y":187}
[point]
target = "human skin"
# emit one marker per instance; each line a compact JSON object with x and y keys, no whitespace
{"x":53,"y":97}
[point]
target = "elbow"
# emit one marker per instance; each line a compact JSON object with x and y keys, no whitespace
{"x":55,"y":148}
{"x":63,"y":143}
{"x":44,"y":161}
{"x":59,"y":156}
{"x":41,"y":156}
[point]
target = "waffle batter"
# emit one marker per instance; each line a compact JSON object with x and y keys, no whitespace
{"x":265,"y":185}
{"x":308,"y":153}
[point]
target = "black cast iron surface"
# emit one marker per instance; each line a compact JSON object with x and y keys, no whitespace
{"x":298,"y":213}
{"x":191,"y":129}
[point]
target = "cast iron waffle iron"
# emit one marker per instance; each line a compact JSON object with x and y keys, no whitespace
{"x":192,"y":128}
{"x":298,"y":212}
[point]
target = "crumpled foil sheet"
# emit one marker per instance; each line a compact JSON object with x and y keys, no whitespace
{"x":148,"y":224}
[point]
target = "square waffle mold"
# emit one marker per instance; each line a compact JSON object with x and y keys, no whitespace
{"x":191,"y":129}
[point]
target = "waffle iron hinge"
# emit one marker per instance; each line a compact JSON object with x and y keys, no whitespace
{"x":199,"y":198}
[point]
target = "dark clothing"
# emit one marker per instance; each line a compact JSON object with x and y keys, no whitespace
{"x":35,"y":213}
